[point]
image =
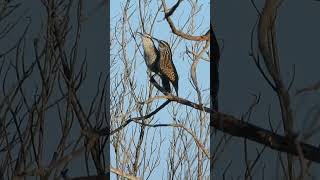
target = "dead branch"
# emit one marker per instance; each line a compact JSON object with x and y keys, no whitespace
{"x":168,"y":13}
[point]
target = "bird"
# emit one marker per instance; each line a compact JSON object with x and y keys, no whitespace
{"x":152,"y":57}
{"x":151,"y":53}
{"x":166,"y":65}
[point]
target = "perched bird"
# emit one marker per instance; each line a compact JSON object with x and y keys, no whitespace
{"x":166,"y":66}
{"x":151,"y":53}
{"x":151,"y":57}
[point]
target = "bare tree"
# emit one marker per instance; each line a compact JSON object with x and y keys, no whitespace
{"x":136,"y":98}
{"x":52,"y":128}
{"x":189,"y":155}
{"x":41,"y":83}
{"x":265,"y":54}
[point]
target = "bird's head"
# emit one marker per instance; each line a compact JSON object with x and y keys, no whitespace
{"x":146,"y":36}
{"x":163,"y":44}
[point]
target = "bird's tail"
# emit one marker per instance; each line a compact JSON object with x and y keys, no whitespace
{"x":166,"y":84}
{"x":176,"y":87}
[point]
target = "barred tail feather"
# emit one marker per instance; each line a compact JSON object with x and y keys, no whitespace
{"x":176,"y":88}
{"x":166,"y":84}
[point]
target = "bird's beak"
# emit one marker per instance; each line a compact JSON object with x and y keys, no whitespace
{"x":143,"y":35}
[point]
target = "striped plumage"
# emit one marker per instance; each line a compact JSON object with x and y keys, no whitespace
{"x":151,"y":57}
{"x":166,"y":66}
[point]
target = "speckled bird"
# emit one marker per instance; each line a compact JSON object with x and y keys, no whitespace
{"x":152,"y":57}
{"x":166,"y":66}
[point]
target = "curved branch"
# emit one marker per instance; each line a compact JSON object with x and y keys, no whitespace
{"x":104,"y":132}
{"x":194,"y":136}
{"x":236,"y":127}
{"x":168,"y":13}
{"x":194,"y":70}
{"x":312,"y":87}
{"x":123,"y":174}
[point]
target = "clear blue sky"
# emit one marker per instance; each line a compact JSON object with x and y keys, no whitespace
{"x":181,"y":61}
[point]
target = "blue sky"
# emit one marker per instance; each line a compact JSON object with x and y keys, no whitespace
{"x":181,"y":61}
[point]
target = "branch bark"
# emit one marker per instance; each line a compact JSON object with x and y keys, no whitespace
{"x":168,"y":13}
